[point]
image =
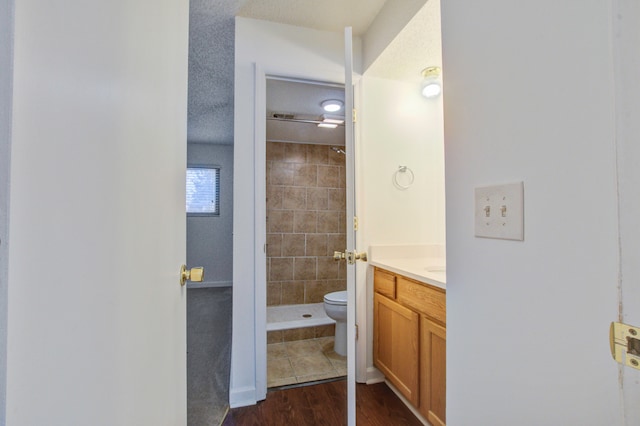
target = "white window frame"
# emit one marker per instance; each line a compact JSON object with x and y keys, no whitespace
{"x":218,"y":173}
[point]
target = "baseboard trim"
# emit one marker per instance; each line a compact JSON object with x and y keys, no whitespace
{"x":242,"y":397}
{"x":224,"y":418}
{"x":207,"y":284}
{"x":374,"y":376}
{"x":406,"y":402}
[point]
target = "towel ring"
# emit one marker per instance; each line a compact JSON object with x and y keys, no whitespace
{"x":396,"y":181}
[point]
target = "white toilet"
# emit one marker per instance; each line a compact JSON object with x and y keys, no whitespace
{"x":335,"y":305}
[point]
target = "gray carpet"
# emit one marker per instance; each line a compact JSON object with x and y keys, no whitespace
{"x":208,"y":355}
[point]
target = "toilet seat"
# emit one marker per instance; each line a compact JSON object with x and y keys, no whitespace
{"x":336,"y":298}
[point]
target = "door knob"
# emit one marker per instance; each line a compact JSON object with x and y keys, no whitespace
{"x":351,"y":256}
{"x":194,"y":274}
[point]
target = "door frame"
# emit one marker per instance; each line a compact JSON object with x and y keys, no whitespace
{"x":261,"y":74}
{"x":6,"y":104}
{"x":5,"y":163}
{"x":626,"y":61}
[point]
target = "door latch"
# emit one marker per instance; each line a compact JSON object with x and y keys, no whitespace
{"x":350,"y":256}
{"x":625,"y":344}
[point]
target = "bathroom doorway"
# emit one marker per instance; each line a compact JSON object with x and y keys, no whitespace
{"x":305,"y":187}
{"x":258,"y":225}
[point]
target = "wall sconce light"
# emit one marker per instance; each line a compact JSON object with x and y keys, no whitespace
{"x":431,"y":85}
{"x":332,"y":105}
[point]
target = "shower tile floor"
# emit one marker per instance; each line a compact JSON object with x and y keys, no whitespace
{"x":303,"y":361}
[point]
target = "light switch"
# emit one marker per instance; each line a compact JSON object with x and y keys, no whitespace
{"x":499,"y":211}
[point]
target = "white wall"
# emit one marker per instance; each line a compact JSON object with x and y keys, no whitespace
{"x":529,"y":96}
{"x":6,"y":64}
{"x":397,"y":126}
{"x":210,"y":238}
{"x":279,"y":50}
{"x":400,"y":127}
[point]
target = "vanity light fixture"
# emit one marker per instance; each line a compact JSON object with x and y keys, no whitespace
{"x":431,"y":85}
{"x":328,"y":125}
{"x":332,"y":105}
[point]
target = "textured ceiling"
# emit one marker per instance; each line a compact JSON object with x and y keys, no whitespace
{"x":211,"y":50}
{"x":417,"y":47}
{"x":300,"y":98}
{"x":211,"y":57}
{"x":327,"y":15}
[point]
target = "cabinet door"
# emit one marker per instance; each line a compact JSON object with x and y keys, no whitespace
{"x":395,"y":345}
{"x":433,"y":367}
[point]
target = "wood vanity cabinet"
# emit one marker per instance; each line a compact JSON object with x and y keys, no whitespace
{"x":409,"y":341}
{"x":433,"y":367}
{"x":395,"y":345}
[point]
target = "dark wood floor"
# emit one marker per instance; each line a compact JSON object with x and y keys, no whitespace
{"x":324,"y":404}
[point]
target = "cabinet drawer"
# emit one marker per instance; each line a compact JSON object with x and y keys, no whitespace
{"x":426,"y":300}
{"x":384,"y":283}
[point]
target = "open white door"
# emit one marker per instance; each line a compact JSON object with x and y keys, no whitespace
{"x":350,"y":222}
{"x":96,"y":313}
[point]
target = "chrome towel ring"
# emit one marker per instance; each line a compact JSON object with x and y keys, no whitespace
{"x":399,"y":179}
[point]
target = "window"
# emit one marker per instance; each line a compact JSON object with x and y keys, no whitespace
{"x":203,"y":191}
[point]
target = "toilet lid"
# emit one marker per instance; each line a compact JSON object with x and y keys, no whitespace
{"x":336,"y":298}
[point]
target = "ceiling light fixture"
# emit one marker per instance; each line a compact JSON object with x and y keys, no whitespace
{"x":332,"y":119}
{"x":431,"y":85}
{"x":328,"y":125}
{"x":332,"y":105}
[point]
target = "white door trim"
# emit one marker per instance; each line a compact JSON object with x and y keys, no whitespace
{"x":260,"y":76}
{"x":260,"y":283}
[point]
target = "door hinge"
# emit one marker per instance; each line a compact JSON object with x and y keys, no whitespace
{"x":355,"y":223}
{"x":357,"y":331}
{"x":625,"y":344}
{"x":355,"y":115}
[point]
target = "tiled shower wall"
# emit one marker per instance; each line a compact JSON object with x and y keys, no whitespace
{"x":305,"y":222}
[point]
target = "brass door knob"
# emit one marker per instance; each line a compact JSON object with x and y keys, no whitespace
{"x":194,"y":274}
{"x":350,"y":256}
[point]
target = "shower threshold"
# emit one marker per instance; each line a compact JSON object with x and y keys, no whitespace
{"x":285,"y":317}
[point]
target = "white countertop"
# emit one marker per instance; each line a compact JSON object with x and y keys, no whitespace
{"x":429,"y":270}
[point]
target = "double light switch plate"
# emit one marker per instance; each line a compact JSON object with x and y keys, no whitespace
{"x":499,"y":211}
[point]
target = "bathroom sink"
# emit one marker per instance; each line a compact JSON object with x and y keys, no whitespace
{"x":436,"y":268}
